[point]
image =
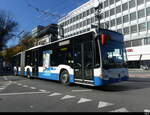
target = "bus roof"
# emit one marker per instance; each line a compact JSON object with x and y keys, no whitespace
{"x":114,"y":36}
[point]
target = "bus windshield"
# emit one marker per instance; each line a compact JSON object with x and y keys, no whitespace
{"x":113,"y":55}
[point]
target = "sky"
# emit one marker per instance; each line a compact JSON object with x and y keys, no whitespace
{"x":28,"y":18}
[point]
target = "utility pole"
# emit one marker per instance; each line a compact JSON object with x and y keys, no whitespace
{"x":98,"y":15}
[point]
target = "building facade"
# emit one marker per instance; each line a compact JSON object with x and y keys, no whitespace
{"x":129,"y":17}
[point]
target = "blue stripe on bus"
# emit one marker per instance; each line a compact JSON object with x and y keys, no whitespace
{"x":50,"y":76}
{"x":99,"y":81}
{"x":19,"y":73}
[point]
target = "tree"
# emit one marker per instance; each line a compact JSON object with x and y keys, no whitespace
{"x":7,"y":28}
{"x":26,"y":41}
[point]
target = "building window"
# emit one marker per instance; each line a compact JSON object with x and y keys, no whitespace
{"x":137,"y":42}
{"x":102,"y":25}
{"x":119,"y":31}
{"x":113,"y":23}
{"x":111,"y":2}
{"x":125,"y":18}
{"x":133,"y":16}
{"x":147,"y":0}
{"x":118,"y":9}
{"x":134,"y":29}
{"x":84,"y":14}
{"x":91,"y":10}
{"x":106,"y":14}
{"x":112,"y":11}
{"x":84,"y":23}
{"x":148,"y":25}
{"x":148,"y":11}
{"x":117,"y":1}
{"x":88,"y":12}
{"x":131,"y":3}
{"x":92,"y":20}
{"x":81,"y":24}
{"x":147,"y":41}
{"x":119,"y":20}
{"x":128,"y":43}
{"x":125,"y":6}
{"x":141,"y":13}
{"x":139,"y":2}
{"x":105,"y":3}
{"x":126,"y":30}
{"x":80,"y":16}
{"x":88,"y":21}
{"x":107,"y":24}
{"x":142,"y":27}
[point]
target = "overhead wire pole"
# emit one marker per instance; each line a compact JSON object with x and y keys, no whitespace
{"x":98,"y":14}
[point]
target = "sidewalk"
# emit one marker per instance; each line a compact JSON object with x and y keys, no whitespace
{"x":139,"y":73}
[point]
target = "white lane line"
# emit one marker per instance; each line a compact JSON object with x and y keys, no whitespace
{"x":103,"y":104}
{"x":81,"y":90}
{"x":55,"y":94}
{"x":2,"y":88}
{"x":67,"y":97}
{"x":146,"y":110}
{"x":82,"y":100}
{"x":25,"y":86}
{"x":120,"y":110}
{"x":5,"y":78}
{"x":33,"y":88}
{"x":24,"y":93}
{"x":42,"y":90}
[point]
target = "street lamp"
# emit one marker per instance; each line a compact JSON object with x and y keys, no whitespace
{"x":98,"y":7}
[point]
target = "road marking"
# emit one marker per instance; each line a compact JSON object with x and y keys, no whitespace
{"x":5,"y":78}
{"x":24,"y":93}
{"x":24,"y":86}
{"x":32,"y":87}
{"x":42,"y":90}
{"x":120,"y":110}
{"x":81,"y":90}
{"x":67,"y":97}
{"x":2,"y":88}
{"x":103,"y":104}
{"x":19,"y":84}
{"x":55,"y":94}
{"x":82,"y":100}
{"x":146,"y":110}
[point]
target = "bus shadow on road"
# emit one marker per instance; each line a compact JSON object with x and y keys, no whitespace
{"x":132,"y":84}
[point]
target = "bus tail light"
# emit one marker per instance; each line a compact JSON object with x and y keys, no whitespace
{"x":103,"y":36}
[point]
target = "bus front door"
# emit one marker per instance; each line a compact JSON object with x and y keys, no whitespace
{"x":83,"y":62}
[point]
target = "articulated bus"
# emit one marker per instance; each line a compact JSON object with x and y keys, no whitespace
{"x":93,"y":58}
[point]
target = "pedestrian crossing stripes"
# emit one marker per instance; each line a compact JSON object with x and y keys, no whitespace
{"x":104,"y":104}
{"x":120,"y":110}
{"x":55,"y":94}
{"x":67,"y":97}
{"x":83,"y":100}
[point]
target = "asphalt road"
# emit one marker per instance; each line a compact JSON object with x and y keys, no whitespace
{"x":19,"y":94}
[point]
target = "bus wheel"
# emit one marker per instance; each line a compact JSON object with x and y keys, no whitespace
{"x":64,"y":77}
{"x":28,"y":74}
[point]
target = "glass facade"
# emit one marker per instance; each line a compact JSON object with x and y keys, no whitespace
{"x":130,"y":17}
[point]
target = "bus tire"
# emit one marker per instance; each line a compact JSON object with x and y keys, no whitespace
{"x":28,"y":74}
{"x":64,"y":77}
